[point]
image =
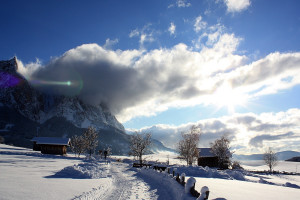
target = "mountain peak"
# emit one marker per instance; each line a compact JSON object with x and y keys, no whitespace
{"x":9,"y":65}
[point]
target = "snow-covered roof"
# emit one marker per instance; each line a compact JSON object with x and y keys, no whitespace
{"x":51,"y":140}
{"x":205,"y":152}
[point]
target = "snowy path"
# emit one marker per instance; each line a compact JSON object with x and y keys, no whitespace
{"x":123,"y":185}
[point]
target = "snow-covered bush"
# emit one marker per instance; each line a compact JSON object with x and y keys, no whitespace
{"x":236,"y":165}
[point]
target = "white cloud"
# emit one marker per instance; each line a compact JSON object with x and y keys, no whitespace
{"x":109,"y":43}
{"x":210,"y":36}
{"x":134,"y":33}
{"x":142,"y":83}
{"x":172,"y":28}
{"x":145,"y":34}
{"x":28,"y":69}
{"x":249,"y":133}
{"x":199,"y":24}
{"x":237,"y":5}
{"x":181,"y":4}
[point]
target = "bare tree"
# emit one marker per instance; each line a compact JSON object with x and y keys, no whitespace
{"x":139,"y":145}
{"x":270,"y":159}
{"x":91,"y":139}
{"x":78,"y":145}
{"x":221,"y":148}
{"x":187,"y":147}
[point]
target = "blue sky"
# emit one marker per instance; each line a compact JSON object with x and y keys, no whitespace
{"x":42,"y":29}
{"x":170,"y":62}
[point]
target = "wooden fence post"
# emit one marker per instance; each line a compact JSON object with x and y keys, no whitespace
{"x":183,"y":179}
{"x":177,"y":178}
{"x":194,"y":192}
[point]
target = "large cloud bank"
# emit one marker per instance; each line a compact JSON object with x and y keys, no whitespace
{"x":249,"y":133}
{"x":141,"y":83}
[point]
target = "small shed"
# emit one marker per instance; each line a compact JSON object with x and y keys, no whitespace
{"x":51,"y":145}
{"x":207,"y":158}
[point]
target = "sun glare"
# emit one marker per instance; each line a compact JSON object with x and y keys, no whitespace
{"x":227,"y":97}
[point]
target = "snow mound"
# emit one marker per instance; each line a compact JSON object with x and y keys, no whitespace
{"x":288,"y":184}
{"x":86,"y":170}
{"x":206,"y":172}
{"x":261,"y":180}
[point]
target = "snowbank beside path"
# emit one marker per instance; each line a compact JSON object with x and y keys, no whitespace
{"x":166,"y":187}
{"x":240,"y":175}
{"x":243,"y":190}
{"x":198,"y":171}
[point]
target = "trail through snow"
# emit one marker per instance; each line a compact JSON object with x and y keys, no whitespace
{"x":123,"y":185}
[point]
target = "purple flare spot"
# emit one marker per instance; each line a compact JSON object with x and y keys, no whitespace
{"x":8,"y":80}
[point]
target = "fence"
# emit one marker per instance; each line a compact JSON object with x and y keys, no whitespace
{"x":189,"y":185}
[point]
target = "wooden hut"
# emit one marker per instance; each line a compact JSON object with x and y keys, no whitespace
{"x":51,"y":145}
{"x":207,"y":158}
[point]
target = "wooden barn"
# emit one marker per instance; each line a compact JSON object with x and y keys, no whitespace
{"x":51,"y":145}
{"x":207,"y":158}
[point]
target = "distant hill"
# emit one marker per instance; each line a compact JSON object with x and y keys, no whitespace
{"x":157,"y":146}
{"x":294,"y":159}
{"x":283,"y":155}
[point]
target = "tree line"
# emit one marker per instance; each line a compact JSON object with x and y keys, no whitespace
{"x":187,"y":147}
{"x":85,"y":143}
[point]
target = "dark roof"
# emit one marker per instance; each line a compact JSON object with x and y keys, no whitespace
{"x":51,"y":140}
{"x":205,"y":152}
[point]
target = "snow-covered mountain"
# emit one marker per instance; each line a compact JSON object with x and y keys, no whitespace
{"x":26,"y":112}
{"x":40,"y":107}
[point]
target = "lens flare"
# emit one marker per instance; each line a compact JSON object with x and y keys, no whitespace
{"x":8,"y":80}
{"x":42,"y":82}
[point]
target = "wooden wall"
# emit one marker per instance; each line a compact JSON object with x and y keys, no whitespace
{"x":208,"y":161}
{"x":53,"y":149}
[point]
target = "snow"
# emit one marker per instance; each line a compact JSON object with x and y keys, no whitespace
{"x":189,"y":184}
{"x":86,"y":170}
{"x":240,"y":190}
{"x":203,"y":194}
{"x":26,"y":174}
{"x":259,"y":165}
{"x":51,"y":140}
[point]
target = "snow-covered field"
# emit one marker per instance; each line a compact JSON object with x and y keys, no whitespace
{"x":25,"y":174}
{"x":259,"y":165}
